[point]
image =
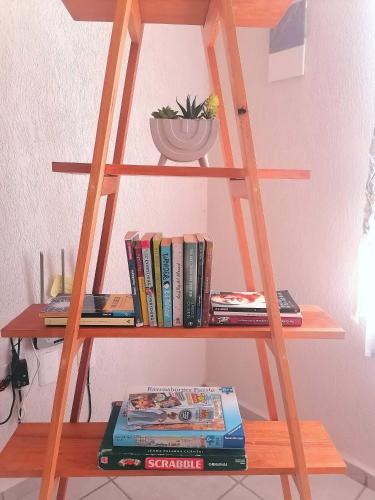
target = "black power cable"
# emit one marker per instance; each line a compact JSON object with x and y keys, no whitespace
{"x":8,"y":380}
{"x":89,"y":394}
{"x":11,"y":407}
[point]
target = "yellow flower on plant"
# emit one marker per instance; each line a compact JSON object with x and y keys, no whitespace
{"x":212,"y":105}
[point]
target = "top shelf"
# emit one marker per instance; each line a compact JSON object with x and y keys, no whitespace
{"x":247,"y":13}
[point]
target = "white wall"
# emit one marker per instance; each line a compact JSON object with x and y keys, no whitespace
{"x":51,"y":76}
{"x":322,"y":121}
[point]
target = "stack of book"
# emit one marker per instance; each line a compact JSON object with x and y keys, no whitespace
{"x":249,"y":309}
{"x":170,"y":279}
{"x":98,"y":310}
{"x":175,"y":428}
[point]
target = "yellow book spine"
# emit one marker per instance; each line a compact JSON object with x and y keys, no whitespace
{"x":142,"y":294}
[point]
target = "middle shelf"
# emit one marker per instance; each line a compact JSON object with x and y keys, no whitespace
{"x":316,"y":325}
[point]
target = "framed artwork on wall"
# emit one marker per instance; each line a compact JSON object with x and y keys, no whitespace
{"x":288,"y":44}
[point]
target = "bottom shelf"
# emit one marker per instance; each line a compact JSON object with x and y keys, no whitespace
{"x":267,"y":447}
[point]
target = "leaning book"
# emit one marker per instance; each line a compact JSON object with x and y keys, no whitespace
{"x":172,"y":458}
{"x":224,"y":431}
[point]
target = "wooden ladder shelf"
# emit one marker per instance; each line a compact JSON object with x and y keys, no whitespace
{"x":55,"y":451}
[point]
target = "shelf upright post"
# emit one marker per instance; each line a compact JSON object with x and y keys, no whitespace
{"x":261,"y":242}
{"x":136,"y":33}
{"x":209,"y":33}
{"x":119,"y":30}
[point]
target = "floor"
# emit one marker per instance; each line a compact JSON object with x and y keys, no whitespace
{"x":205,"y":488}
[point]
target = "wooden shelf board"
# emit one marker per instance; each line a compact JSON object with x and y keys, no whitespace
{"x":255,"y":13}
{"x":181,"y":171}
{"x":316,"y":325}
{"x":267,"y":447}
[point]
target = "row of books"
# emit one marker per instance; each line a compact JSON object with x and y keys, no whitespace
{"x":175,"y":428}
{"x":249,"y":309}
{"x":170,"y":279}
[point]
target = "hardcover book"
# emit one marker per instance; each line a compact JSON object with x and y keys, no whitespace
{"x":156,"y":240}
{"x":207,"y":281}
{"x":190,"y":280}
{"x":225,"y":431}
{"x":251,"y":302}
{"x":166,"y":281}
{"x":94,"y":306}
{"x":141,"y":280}
{"x":130,"y":238}
{"x":200,"y":277}
{"x":149,"y":279}
{"x":178,"y":280}
{"x":134,"y":457}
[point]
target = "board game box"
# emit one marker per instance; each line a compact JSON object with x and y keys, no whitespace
{"x":224,"y":431}
{"x":150,"y":458}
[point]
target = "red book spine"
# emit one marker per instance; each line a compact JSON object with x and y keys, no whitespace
{"x":251,"y":321}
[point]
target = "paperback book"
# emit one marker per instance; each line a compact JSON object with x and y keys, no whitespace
{"x":178,"y":280}
{"x":156,"y":241}
{"x":146,"y":242}
{"x":190,"y":280}
{"x":141,"y":280}
{"x":166,"y":281}
{"x":225,"y":431}
{"x":130,"y":238}
{"x":159,"y":458}
{"x":251,"y":302}
{"x":94,"y":306}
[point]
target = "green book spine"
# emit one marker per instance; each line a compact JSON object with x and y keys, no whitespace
{"x":159,"y":299}
{"x":190,"y":280}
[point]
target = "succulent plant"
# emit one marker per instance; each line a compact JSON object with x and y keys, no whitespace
{"x":192,"y":111}
{"x":210,"y":107}
{"x":165,"y":112}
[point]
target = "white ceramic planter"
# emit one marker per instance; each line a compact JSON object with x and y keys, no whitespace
{"x":184,"y":140}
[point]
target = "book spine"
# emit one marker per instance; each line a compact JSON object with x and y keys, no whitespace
{"x":141,"y":280}
{"x":200,"y":280}
{"x":190,"y":284}
{"x":134,"y":282}
{"x":133,"y":461}
{"x":157,"y":275}
{"x":166,"y":279}
{"x":207,"y":283}
{"x":149,"y":283}
{"x":250,"y":321}
{"x":253,"y":315}
{"x":178,"y":283}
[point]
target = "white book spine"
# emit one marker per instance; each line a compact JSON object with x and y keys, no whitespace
{"x":178,"y":282}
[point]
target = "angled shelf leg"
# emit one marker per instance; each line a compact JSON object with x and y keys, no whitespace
{"x":262,"y":247}
{"x":209,"y":33}
{"x":120,"y":27}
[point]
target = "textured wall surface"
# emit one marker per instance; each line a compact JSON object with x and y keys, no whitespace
{"x":51,"y":77}
{"x":323,"y":122}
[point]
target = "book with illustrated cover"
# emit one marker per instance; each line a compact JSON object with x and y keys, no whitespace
{"x":251,"y":302}
{"x":156,"y":458}
{"x":94,"y":321}
{"x":200,"y":277}
{"x":240,"y":320}
{"x":225,"y":431}
{"x":130,"y":238}
{"x":146,"y":242}
{"x":178,"y":280}
{"x":207,"y":281}
{"x":141,"y":280}
{"x":94,"y":306}
{"x":156,"y":241}
{"x":166,"y":280}
{"x":190,"y":280}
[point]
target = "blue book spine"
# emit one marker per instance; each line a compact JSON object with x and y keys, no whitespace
{"x":166,"y":281}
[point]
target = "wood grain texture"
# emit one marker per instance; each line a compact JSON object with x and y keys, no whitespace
{"x":316,"y":325}
{"x":251,"y":13}
{"x":180,"y":171}
{"x":267,"y":446}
